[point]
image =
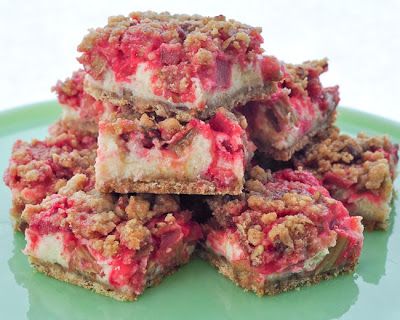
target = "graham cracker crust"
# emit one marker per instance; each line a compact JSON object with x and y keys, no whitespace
{"x":60,"y":273}
{"x":286,"y":154}
{"x":246,"y":279}
{"x":141,"y":105}
{"x":79,"y":125}
{"x":201,"y":187}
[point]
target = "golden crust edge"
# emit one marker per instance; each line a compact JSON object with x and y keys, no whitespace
{"x":58,"y":272}
{"x":296,"y":281}
{"x":146,"y":105}
{"x":200,"y":187}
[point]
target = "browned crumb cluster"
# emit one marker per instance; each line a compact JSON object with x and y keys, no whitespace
{"x":302,"y":74}
{"x":363,"y":161}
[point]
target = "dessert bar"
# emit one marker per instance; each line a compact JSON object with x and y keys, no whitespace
{"x":283,"y":232}
{"x":149,"y":153}
{"x":189,"y":65}
{"x":114,"y":245}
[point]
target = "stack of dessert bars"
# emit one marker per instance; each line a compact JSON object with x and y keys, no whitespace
{"x":179,"y":133}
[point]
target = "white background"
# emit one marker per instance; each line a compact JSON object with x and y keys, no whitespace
{"x":38,"y":41}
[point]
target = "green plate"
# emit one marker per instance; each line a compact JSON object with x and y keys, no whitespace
{"x":197,"y":291}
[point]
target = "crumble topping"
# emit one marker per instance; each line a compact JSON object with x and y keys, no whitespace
{"x":362,"y":161}
{"x":293,"y":226}
{"x":134,"y":235}
{"x":303,"y":79}
{"x":168,"y":40}
{"x":76,"y":183}
{"x":139,"y":208}
{"x":41,"y":168}
{"x":145,"y":207}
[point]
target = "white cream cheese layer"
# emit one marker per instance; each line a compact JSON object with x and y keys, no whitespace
{"x":140,"y":164}
{"x":49,"y":248}
{"x":140,"y":85}
{"x":229,"y":248}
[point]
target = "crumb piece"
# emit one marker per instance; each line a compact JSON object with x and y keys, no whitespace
{"x":169,"y":218}
{"x":146,"y":122}
{"x":260,"y":174}
{"x":260,"y":203}
{"x":254,"y":185}
{"x":90,"y":226}
{"x":254,"y":236}
{"x":139,"y":208}
{"x":134,"y":235}
{"x":242,"y":121}
{"x":76,"y":183}
{"x":169,"y":127}
{"x":59,"y":184}
{"x":296,"y":200}
{"x":268,"y":218}
{"x":107,"y":247}
{"x":376,"y":174}
{"x":256,"y":255}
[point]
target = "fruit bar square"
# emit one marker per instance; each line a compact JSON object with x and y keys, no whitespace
{"x":156,"y":154}
{"x":114,"y":245}
{"x":284,"y":231}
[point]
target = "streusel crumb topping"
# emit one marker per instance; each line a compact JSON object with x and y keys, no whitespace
{"x":363,"y":161}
